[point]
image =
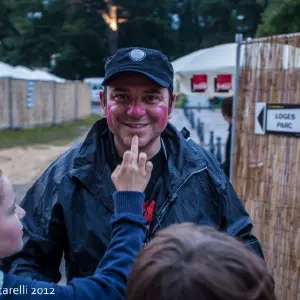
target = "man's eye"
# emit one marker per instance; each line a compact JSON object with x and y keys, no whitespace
{"x":151,"y":98}
{"x":121,"y":97}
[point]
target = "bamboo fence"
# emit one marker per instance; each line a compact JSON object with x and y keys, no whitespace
{"x":265,"y":167}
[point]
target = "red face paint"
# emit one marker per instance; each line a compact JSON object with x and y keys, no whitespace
{"x":110,"y":111}
{"x":135,"y":111}
{"x":161,"y":114}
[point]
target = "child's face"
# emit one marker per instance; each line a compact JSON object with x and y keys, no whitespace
{"x":11,"y":228}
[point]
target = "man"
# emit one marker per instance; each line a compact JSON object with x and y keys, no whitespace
{"x":70,"y":206}
{"x":226,"y":107}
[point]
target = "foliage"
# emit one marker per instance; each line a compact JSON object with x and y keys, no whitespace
{"x":280,"y":17}
{"x":73,"y":38}
{"x":181,"y":100}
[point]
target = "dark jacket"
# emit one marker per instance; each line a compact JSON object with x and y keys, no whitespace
{"x":70,"y":205}
{"x":109,"y":280}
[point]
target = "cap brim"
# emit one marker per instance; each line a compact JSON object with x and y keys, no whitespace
{"x":156,"y":79}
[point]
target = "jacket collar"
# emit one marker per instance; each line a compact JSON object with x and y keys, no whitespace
{"x":91,"y":167}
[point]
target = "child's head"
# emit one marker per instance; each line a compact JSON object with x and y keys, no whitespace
{"x":187,"y":261}
{"x":11,"y":229}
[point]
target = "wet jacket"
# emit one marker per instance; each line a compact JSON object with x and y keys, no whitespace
{"x":69,"y":207}
{"x":109,"y":280}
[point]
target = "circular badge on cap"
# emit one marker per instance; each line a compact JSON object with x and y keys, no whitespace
{"x":137,"y":54}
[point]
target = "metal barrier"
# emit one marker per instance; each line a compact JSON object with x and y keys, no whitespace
{"x":214,"y":145}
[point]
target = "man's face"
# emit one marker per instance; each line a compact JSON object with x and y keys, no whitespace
{"x":136,"y":105}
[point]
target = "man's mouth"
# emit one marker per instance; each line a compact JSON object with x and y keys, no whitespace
{"x":135,"y":125}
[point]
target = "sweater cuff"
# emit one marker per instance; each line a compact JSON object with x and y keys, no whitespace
{"x":128,"y":202}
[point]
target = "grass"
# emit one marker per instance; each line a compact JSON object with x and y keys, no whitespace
{"x":58,"y":135}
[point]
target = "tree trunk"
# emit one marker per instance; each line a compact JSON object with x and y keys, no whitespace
{"x":112,"y":38}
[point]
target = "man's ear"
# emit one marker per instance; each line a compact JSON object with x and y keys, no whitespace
{"x":174,"y":97}
{"x":102,"y":102}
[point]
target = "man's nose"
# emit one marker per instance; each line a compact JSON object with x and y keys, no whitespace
{"x":136,"y":110}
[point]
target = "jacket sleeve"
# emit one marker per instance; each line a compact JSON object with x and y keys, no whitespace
{"x":110,"y":277}
{"x":237,"y":222}
{"x":44,"y":232}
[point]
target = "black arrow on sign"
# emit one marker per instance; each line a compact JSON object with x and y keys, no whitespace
{"x":260,"y":118}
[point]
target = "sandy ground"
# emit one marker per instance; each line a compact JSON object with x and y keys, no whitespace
{"x":24,"y":165}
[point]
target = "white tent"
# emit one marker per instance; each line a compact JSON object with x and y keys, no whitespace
{"x":24,"y":72}
{"x":47,"y":76}
{"x":222,"y":59}
{"x":9,"y":71}
{"x":181,"y":62}
{"x":212,"y":62}
{"x":21,"y":72}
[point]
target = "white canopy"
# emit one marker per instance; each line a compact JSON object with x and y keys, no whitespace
{"x":47,"y":76}
{"x":222,"y":59}
{"x":181,"y":62}
{"x":8,"y":71}
{"x":21,"y":72}
{"x":24,"y":72}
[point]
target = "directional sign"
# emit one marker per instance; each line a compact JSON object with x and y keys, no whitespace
{"x":260,"y":118}
{"x":283,"y":119}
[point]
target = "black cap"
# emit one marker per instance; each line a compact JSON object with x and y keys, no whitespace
{"x":152,"y":63}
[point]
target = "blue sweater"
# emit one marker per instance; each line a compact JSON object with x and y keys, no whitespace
{"x":109,"y":279}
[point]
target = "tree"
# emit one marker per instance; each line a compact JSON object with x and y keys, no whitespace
{"x":208,"y":23}
{"x":280,"y":17}
{"x":82,"y":43}
{"x":148,"y":24}
{"x":73,"y":38}
{"x":190,"y":32}
{"x":222,"y":19}
{"x":17,"y":30}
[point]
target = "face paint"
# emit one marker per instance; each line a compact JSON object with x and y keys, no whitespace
{"x":161,"y":113}
{"x":135,"y":110}
{"x":133,"y":106}
{"x":110,"y":111}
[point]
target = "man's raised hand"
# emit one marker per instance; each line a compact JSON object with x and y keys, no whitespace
{"x":134,"y":172}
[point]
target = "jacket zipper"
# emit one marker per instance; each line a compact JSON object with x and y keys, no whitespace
{"x":170,"y":199}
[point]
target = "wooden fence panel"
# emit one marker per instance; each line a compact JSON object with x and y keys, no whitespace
{"x":4,"y":103}
{"x":21,"y":114}
{"x":50,"y":103}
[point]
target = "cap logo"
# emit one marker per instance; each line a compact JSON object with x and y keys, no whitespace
{"x":137,"y":55}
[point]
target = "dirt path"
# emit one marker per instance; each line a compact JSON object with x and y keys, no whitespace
{"x":23,"y":165}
